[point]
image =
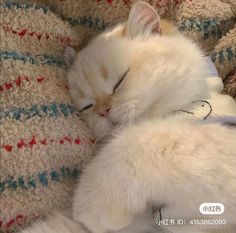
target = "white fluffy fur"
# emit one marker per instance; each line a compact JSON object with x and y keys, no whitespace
{"x":153,"y":161}
{"x":163,"y":162}
{"x":57,"y":223}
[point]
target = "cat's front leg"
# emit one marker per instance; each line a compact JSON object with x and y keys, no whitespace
{"x":118,"y":185}
{"x":112,"y":189}
{"x":122,"y":180}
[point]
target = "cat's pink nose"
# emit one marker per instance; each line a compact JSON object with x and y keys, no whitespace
{"x":105,"y":113}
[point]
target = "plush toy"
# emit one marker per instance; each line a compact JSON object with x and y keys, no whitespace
{"x":216,"y":105}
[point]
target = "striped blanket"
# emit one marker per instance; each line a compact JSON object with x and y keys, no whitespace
{"x":43,"y":143}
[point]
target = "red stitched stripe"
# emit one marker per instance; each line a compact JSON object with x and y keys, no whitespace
{"x":18,"y":82}
{"x":159,"y":3}
{"x":43,"y":141}
{"x":11,"y":222}
{"x":166,"y":3}
{"x":21,"y":79}
{"x":18,"y":220}
{"x":110,"y":1}
{"x":65,"y":40}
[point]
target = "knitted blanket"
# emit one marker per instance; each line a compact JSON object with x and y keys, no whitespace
{"x":43,"y":143}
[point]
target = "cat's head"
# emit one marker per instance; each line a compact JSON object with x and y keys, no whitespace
{"x":123,"y":71}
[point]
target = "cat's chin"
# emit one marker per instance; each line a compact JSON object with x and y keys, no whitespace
{"x":114,"y":121}
{"x":110,"y":129}
{"x":118,"y":119}
{"x":116,"y":124}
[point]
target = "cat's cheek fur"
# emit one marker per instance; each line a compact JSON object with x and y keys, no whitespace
{"x":123,"y":113}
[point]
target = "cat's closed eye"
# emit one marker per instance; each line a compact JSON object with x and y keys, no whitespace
{"x":86,"y":107}
{"x":121,"y":80}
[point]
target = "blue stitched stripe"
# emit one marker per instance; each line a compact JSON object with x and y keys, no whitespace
{"x":28,"y":58}
{"x":39,"y":179}
{"x":17,"y":5}
{"x":88,"y":22}
{"x":85,"y":21}
{"x":227,"y":54}
{"x":51,"y":110}
{"x":208,"y":27}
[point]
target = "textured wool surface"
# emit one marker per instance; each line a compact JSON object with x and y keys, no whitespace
{"x":43,"y":143}
{"x":224,"y":54}
{"x":205,"y":21}
{"x":232,"y":3}
{"x":230,"y":84}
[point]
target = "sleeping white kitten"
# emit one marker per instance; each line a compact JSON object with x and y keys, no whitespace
{"x":131,"y":72}
{"x":133,"y":76}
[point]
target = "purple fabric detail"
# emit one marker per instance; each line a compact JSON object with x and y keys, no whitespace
{"x":211,"y":67}
{"x":225,"y":120}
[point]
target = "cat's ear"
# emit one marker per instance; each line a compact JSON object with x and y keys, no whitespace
{"x":69,"y":55}
{"x":143,"y":21}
